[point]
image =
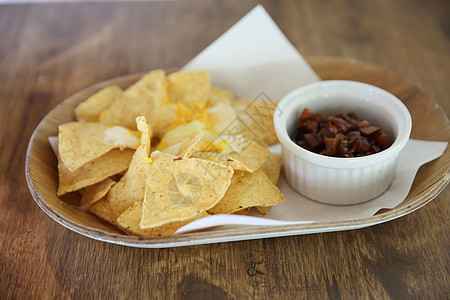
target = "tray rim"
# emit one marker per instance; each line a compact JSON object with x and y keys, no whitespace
{"x":228,"y":235}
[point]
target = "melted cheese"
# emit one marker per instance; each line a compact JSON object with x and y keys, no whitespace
{"x":122,"y":137}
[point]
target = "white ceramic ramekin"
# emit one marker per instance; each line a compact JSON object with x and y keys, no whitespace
{"x":334,"y":180}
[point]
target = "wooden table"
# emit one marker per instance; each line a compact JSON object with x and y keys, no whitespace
{"x":50,"y":51}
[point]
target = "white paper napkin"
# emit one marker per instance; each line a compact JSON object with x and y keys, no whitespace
{"x":254,"y":57}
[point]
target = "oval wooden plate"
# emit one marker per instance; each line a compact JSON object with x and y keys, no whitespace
{"x":429,"y":123}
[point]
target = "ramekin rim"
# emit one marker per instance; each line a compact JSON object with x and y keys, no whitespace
{"x":340,"y":162}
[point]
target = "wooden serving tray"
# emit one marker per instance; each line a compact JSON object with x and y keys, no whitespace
{"x":429,"y":123}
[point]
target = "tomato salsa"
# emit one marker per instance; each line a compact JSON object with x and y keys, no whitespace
{"x":340,"y":135}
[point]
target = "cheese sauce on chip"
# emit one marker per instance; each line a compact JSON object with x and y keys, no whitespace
{"x":122,"y":137}
{"x":213,"y":156}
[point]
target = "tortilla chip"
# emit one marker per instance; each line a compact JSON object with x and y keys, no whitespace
{"x":178,"y":189}
{"x":180,"y":133}
{"x":144,"y":98}
{"x":185,"y":148}
{"x":242,"y":212}
{"x":263,"y":209}
{"x":217,"y":95}
{"x":250,"y":159}
{"x":187,"y":86}
{"x":146,"y":134}
{"x":272,"y":167}
{"x":248,"y":190}
{"x":218,"y":157}
{"x":111,"y":163}
{"x":129,"y":221}
{"x":166,"y":118}
{"x":131,"y":187}
{"x":222,"y":118}
{"x":147,"y":85}
{"x":79,"y":142}
{"x":95,"y":192}
{"x":90,"y":109}
{"x":258,"y":116}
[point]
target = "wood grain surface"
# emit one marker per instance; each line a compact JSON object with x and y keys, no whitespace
{"x":50,"y":51}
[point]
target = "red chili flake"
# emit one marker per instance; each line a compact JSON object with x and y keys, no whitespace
{"x":178,"y":158}
{"x":355,"y":145}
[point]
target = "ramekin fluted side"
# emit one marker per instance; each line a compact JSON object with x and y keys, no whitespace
{"x":342,"y":181}
{"x":341,"y":186}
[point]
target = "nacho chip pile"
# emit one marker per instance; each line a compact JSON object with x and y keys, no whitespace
{"x":168,"y":150}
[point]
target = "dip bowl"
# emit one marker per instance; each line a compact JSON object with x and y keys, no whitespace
{"x":338,"y":180}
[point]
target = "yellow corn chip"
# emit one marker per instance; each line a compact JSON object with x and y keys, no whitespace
{"x":215,"y":158}
{"x":242,"y":212}
{"x":90,"y":109}
{"x":258,"y":116}
{"x":250,"y":158}
{"x":166,"y":118}
{"x":272,"y":167}
{"x":146,"y":134}
{"x":180,"y":133}
{"x":223,"y":116}
{"x":131,"y":187}
{"x":79,"y":142}
{"x":217,"y":95}
{"x":186,"y":147}
{"x":188,"y":86}
{"x":263,"y":209}
{"x":218,"y":157}
{"x":144,"y":98}
{"x":95,"y":192}
{"x":129,"y":221}
{"x":248,"y":190}
{"x":147,"y":85}
{"x":178,"y":189}
{"x":109,"y":164}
